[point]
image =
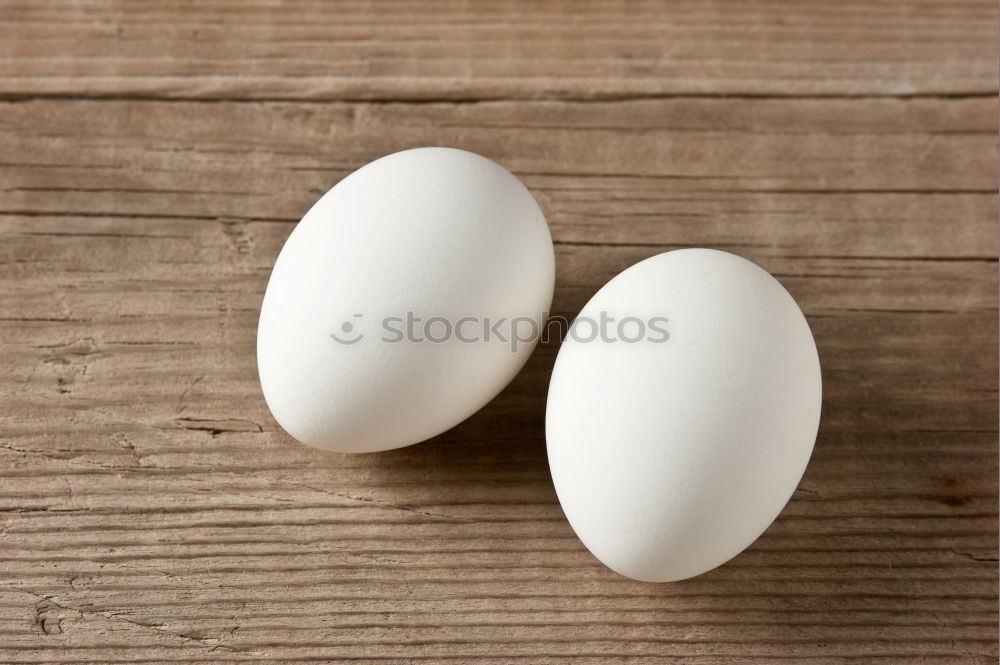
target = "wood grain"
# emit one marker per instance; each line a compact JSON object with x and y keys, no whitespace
{"x":399,"y":49}
{"x":153,"y":158}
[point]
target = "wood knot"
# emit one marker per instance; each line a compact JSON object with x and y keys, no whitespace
{"x":47,"y":618}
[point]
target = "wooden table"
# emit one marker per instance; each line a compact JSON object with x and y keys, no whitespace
{"x":156,"y":155}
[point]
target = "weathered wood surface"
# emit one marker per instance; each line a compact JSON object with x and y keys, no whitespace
{"x":580,"y":49}
{"x":152,"y":161}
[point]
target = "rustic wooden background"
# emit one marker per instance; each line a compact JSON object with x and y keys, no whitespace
{"x":153,"y":158}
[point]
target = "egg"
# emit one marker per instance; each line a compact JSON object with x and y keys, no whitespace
{"x":388,"y":315}
{"x":682,"y":410}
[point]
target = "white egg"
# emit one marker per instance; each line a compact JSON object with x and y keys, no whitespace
{"x":674,"y":449}
{"x":444,"y":236}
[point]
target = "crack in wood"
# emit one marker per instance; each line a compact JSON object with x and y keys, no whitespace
{"x":121,"y":617}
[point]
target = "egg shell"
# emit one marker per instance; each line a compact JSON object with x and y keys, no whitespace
{"x":671,"y":456}
{"x":436,"y":232}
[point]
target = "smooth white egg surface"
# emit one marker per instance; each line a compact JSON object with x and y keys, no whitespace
{"x":677,"y":434}
{"x":379,"y":327}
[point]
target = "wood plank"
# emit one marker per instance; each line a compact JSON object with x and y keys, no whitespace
{"x":590,"y":49}
{"x":844,"y":175}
